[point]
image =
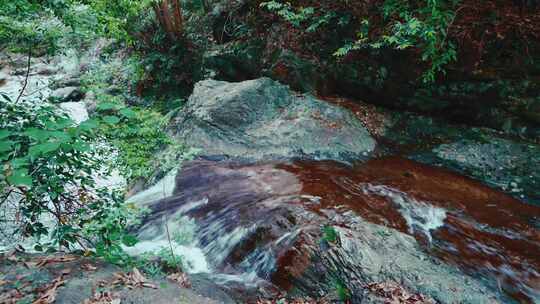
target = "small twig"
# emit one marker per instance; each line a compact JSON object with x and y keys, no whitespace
{"x":27,"y":74}
{"x":6,"y":197}
{"x":170,"y":244}
{"x":169,"y":237}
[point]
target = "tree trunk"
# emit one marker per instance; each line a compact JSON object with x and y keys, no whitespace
{"x":169,"y":27}
{"x":178,"y":19}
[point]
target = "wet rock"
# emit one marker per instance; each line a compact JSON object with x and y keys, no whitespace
{"x":68,"y":81}
{"x":45,"y":69}
{"x":510,"y":165}
{"x":317,"y":229}
{"x":263,"y":119}
{"x":66,"y":94}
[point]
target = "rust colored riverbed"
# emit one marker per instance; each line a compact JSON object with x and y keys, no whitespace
{"x":459,"y":220}
{"x":265,"y":222}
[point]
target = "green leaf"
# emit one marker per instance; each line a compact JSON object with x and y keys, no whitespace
{"x":81,"y":146}
{"x":128,"y":113}
{"x":88,"y":125}
{"x":59,"y":124}
{"x":129,"y":240}
{"x":38,"y":134}
{"x":6,"y":145}
{"x":4,"y":133}
{"x":44,"y":148}
{"x":6,"y":97}
{"x":104,"y":106}
{"x":20,"y":177}
{"x":111,"y":119}
{"x":20,"y":162}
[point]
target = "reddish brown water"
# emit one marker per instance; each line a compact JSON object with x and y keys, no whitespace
{"x":265,"y":220}
{"x":485,"y":231}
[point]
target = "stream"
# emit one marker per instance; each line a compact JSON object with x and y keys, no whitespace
{"x":304,"y":225}
{"x":268,"y":224}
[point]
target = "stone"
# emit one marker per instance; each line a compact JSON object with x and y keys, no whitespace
{"x":497,"y":162}
{"x":84,"y":276}
{"x":68,"y":81}
{"x":45,"y":69}
{"x":263,"y":119}
{"x":3,"y":77}
{"x":90,"y":102}
{"x":66,"y":94}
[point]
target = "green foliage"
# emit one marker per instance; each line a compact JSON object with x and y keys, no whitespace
{"x":330,"y":234}
{"x":119,"y":19}
{"x":160,"y":262}
{"x":48,"y":169}
{"x":44,"y":27}
{"x":294,"y":16}
{"x":139,"y":136}
{"x":415,"y":25}
{"x":422,"y":25}
{"x":170,"y":260}
{"x":307,"y":17}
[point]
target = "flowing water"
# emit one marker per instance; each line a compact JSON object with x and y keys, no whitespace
{"x":305,"y":227}
{"x":309,"y":228}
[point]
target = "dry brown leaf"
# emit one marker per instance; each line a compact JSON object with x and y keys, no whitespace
{"x":394,"y":293}
{"x":30,"y":264}
{"x":10,"y":297}
{"x":56,"y":259}
{"x":137,"y":276}
{"x":49,"y":295}
{"x":132,"y":280}
{"x":88,"y":267}
{"x":104,"y":297}
{"x":12,"y":256}
{"x":66,"y":271}
{"x":181,"y":278}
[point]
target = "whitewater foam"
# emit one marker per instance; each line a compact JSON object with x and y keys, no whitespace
{"x":418,"y":215}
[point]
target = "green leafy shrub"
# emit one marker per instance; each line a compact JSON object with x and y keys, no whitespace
{"x":45,"y":27}
{"x":420,"y":25}
{"x":48,"y":170}
{"x":139,"y":136}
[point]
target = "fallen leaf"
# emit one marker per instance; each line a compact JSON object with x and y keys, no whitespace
{"x":132,"y":280}
{"x":49,"y":295}
{"x":88,"y":267}
{"x":103,"y":297}
{"x":395,"y":293}
{"x":30,"y":264}
{"x":10,"y":297}
{"x":180,"y":278}
{"x":56,"y":259}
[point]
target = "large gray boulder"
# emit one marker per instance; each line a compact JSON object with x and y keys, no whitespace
{"x":261,"y":118}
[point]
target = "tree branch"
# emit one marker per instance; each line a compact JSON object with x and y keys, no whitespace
{"x":27,"y":75}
